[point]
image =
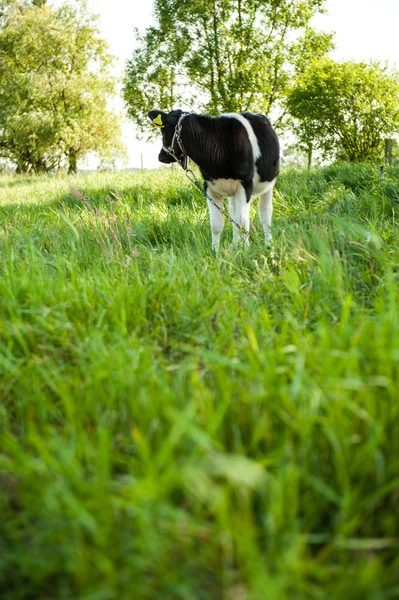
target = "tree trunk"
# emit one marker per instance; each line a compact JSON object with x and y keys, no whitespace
{"x":39,"y":167}
{"x":388,"y":151}
{"x":73,"y":162}
{"x":21,"y":169}
{"x":310,"y":156}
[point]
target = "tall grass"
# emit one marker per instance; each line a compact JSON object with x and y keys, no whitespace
{"x":180,"y":426}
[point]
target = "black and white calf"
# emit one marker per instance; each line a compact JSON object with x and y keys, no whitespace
{"x":238,"y":156}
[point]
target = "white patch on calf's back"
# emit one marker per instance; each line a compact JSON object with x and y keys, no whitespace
{"x":225,"y":187}
{"x":251,"y":134}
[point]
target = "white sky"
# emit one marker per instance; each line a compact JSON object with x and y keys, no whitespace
{"x":364,"y":29}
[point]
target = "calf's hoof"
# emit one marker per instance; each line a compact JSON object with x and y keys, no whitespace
{"x":268,"y":240}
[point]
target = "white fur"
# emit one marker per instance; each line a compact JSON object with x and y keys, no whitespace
{"x":261,"y":187}
{"x":250,"y":131}
{"x":239,"y":212}
{"x":216,"y":218}
{"x":265,"y":210}
{"x":224,"y":187}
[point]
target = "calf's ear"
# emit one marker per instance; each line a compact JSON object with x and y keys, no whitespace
{"x":158,"y":118}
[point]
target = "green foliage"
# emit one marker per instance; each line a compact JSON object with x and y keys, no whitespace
{"x":54,"y":87}
{"x":345,"y":110}
{"x":175,"y":425}
{"x":221,"y":55}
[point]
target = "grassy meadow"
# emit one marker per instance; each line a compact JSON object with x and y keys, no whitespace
{"x":180,"y":426}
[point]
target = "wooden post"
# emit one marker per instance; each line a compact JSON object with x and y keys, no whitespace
{"x":142,"y":162}
{"x":382,"y":169}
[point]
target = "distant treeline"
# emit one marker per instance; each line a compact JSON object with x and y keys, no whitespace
{"x":263,"y":56}
{"x":205,"y":56}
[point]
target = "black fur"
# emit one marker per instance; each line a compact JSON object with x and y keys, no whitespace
{"x":268,"y":164}
{"x":221,"y":148}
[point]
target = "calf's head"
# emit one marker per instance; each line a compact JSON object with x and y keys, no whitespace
{"x":167,"y":122}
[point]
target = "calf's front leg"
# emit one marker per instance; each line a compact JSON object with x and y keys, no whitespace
{"x":239,"y":212}
{"x":216,"y":218}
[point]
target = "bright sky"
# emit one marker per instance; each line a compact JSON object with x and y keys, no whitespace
{"x":364,"y":29}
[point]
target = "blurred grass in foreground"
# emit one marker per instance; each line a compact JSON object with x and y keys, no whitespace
{"x":179,"y":426}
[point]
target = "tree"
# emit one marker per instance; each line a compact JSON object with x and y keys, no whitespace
{"x":221,"y":55}
{"x":54,"y":86}
{"x":345,"y":110}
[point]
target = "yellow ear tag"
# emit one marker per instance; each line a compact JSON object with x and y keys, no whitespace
{"x":158,"y":121}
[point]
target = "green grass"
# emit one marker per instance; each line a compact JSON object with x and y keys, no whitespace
{"x":176,"y":426}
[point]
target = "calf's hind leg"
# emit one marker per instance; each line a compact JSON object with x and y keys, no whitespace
{"x":265,"y":209}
